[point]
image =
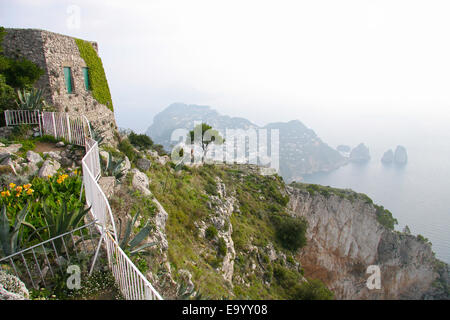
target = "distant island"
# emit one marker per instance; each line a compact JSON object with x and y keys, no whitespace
{"x":360,"y":153}
{"x":400,"y":156}
{"x":302,"y":152}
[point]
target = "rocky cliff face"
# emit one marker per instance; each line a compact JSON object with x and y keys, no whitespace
{"x":344,"y":238}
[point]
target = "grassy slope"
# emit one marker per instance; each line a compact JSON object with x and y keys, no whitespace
{"x":184,"y":197}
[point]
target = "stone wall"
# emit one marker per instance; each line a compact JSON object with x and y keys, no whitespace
{"x":52,"y":52}
{"x":28,"y":43}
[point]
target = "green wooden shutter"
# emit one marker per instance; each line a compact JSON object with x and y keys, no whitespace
{"x":86,"y":78}
{"x":68,"y":77}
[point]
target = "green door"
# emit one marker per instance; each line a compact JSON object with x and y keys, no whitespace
{"x":86,"y":78}
{"x":68,"y":77}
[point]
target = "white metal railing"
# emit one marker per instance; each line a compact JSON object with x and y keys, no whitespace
{"x":39,"y":264}
{"x":92,"y":158}
{"x":16,"y":117}
{"x":132,"y":283}
{"x":61,"y":125}
{"x":95,"y":197}
{"x":57,"y":124}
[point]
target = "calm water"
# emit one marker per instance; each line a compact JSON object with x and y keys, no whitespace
{"x":417,"y":194}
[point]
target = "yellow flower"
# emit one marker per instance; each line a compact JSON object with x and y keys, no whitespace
{"x":8,"y":193}
{"x":30,"y":191}
{"x":12,"y":185}
{"x":19,"y":189}
{"x":18,"y":194}
{"x":27,"y":186}
{"x":3,"y":193}
{"x":59,"y":181}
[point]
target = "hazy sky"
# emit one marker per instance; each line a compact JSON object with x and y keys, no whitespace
{"x":264,"y":60}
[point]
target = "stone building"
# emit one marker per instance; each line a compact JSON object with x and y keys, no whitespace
{"x":66,"y":81}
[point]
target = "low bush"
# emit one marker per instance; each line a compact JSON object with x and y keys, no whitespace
{"x":126,"y":147}
{"x":291,"y":232}
{"x":210,"y":232}
{"x":221,"y":247}
{"x":140,"y":140}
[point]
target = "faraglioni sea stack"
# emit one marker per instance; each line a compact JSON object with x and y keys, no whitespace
{"x":400,"y":157}
{"x":360,"y":154}
{"x":388,"y":157}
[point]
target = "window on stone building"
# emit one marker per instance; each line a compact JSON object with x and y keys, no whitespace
{"x":68,"y":78}
{"x":86,"y":78}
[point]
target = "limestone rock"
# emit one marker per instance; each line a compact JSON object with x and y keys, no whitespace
{"x":388,"y":157}
{"x":60,"y":144}
{"x":66,"y":162}
{"x":49,"y":168}
{"x":344,"y":238}
{"x":159,"y":235}
{"x":143,"y":164}
{"x":33,"y":157}
{"x":163,"y":160}
{"x":12,"y":288}
{"x":186,"y":277}
{"x":140,"y":182}
{"x":104,"y":157}
{"x":107,"y":184}
{"x":12,"y":148}
{"x":54,"y":155}
{"x":401,"y":156}
{"x":360,"y":153}
{"x":126,"y":166}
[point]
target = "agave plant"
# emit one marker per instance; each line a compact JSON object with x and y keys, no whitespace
{"x":113,"y":168}
{"x":61,"y":220}
{"x":30,"y":99}
{"x":11,"y":237}
{"x":132,"y":245}
{"x":97,"y":136}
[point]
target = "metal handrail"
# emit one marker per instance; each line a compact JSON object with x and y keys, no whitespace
{"x":47,"y":241}
{"x":92,"y":178}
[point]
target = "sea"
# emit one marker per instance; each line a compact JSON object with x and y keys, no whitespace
{"x":418,"y":193}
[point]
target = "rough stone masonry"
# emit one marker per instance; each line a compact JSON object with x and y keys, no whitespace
{"x":52,"y":52}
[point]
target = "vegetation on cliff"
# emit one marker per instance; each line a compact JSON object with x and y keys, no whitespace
{"x":97,"y":76}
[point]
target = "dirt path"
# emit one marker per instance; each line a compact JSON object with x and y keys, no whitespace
{"x":45,"y":147}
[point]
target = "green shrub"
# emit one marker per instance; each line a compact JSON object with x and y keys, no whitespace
{"x":313,"y":289}
{"x":27,"y":145}
{"x":19,"y":72}
{"x":385,"y":217}
{"x":20,"y":132}
{"x":210,"y":232}
{"x":56,"y":191}
{"x":291,"y":232}
{"x":7,"y":96}
{"x":140,"y":140}
{"x":126,"y":147}
{"x":423,"y":239}
{"x":211,"y":187}
{"x":221,"y":247}
{"x":97,"y":76}
{"x":159,"y":149}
